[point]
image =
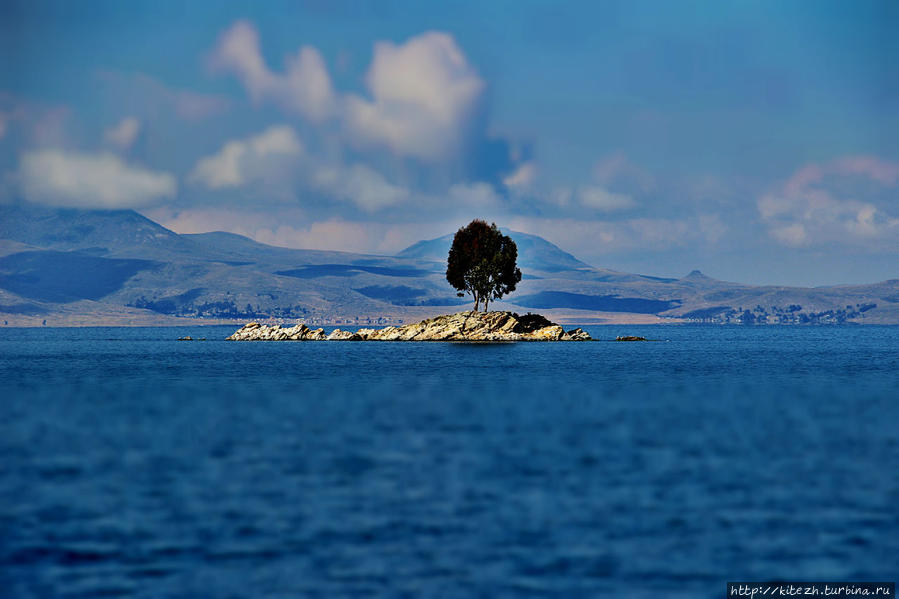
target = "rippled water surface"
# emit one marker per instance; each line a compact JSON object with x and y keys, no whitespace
{"x":133,"y":465}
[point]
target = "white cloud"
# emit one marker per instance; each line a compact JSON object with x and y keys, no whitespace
{"x":424,"y":94}
{"x":603,"y":200}
{"x":361,"y":185}
{"x":124,"y":134}
{"x":867,"y":221}
{"x":590,"y":198}
{"x":276,"y":158}
{"x":282,"y":228}
{"x":273,"y":158}
{"x":820,"y":203}
{"x":333,"y":234}
{"x":75,"y":179}
{"x":304,"y":88}
{"x":522,"y":177}
{"x":592,"y":238}
{"x":793,"y":235}
{"x":240,"y":161}
{"x":560,"y":196}
{"x":882,"y":171}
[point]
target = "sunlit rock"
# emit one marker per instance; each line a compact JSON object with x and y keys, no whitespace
{"x":463,"y":326}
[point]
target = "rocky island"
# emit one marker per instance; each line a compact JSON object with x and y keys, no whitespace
{"x":481,"y":262}
{"x":463,"y":326}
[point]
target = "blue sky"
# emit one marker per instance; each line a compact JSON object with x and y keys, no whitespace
{"x":756,"y":141}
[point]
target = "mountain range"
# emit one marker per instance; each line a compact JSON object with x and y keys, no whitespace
{"x":82,"y":267}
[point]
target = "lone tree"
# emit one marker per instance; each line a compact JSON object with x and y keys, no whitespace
{"x":482,"y":262}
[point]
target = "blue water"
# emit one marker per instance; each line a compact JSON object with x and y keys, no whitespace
{"x":133,"y":465}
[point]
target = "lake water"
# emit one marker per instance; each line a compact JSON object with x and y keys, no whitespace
{"x":133,"y":465}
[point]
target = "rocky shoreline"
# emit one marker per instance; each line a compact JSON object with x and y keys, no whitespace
{"x":463,"y":326}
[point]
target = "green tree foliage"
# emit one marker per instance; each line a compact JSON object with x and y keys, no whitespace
{"x":482,"y":262}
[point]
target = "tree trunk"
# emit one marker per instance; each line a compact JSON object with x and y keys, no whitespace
{"x":476,"y":300}
{"x":486,"y":303}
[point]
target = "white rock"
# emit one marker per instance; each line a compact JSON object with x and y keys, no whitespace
{"x":463,"y":326}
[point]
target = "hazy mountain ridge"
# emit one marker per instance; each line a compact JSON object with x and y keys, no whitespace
{"x":534,"y":253}
{"x":69,"y":265}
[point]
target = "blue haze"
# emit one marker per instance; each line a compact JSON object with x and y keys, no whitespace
{"x":137,"y":466}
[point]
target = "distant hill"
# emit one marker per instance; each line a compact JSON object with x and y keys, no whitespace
{"x":98,"y":231}
{"x":67,"y":266}
{"x":534,"y":253}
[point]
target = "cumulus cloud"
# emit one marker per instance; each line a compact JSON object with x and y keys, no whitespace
{"x":240,"y":161}
{"x":833,"y":203}
{"x":619,"y":185}
{"x":304,"y":87}
{"x":522,"y":177}
{"x":422,"y":98}
{"x":123,"y":134}
{"x":560,"y":196}
{"x":292,"y":228}
{"x":423,"y":95}
{"x":277,"y":158}
{"x":74,"y":179}
{"x":602,"y":200}
{"x":342,"y":235}
{"x":359,"y":184}
{"x":882,"y":171}
{"x":587,"y":238}
{"x":793,"y":235}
